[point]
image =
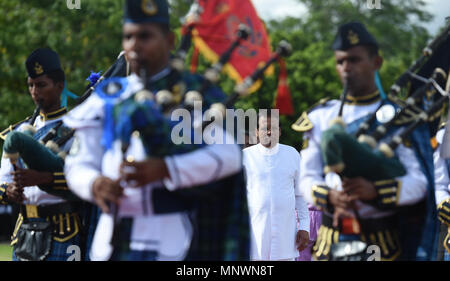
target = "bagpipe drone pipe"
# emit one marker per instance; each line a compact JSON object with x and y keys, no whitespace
{"x":149,"y":116}
{"x":343,"y":153}
{"x":149,"y":113}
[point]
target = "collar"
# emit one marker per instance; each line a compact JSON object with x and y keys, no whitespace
{"x":53,"y":115}
{"x":268,"y":151}
{"x":363,"y":100}
{"x":160,"y":74}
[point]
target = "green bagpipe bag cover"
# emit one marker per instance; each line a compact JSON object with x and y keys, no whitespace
{"x":34,"y":154}
{"x":36,"y":157}
{"x":343,"y":154}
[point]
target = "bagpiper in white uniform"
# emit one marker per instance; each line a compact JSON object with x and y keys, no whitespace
{"x":405,"y":190}
{"x":38,"y":205}
{"x":377,"y":225}
{"x":169,"y":234}
{"x":149,"y":234}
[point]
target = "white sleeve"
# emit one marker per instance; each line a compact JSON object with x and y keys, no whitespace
{"x":5,"y":170}
{"x":84,"y":162}
{"x":213,"y":162}
{"x":414,"y":183}
{"x":311,"y":167}
{"x":207,"y":164}
{"x":303,"y":213}
{"x":300,"y":204}
{"x":441,"y":178}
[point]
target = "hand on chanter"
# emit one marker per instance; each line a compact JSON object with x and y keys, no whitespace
{"x":14,"y":194}
{"x":106,"y":191}
{"x":29,"y":177}
{"x":140,"y":173}
{"x":359,"y":188}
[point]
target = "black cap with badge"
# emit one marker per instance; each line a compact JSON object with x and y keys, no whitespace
{"x":146,"y":11}
{"x":353,"y":34}
{"x":42,"y":61}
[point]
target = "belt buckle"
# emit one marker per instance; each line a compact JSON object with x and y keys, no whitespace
{"x":32,"y":211}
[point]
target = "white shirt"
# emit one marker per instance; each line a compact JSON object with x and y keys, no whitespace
{"x":413,"y":184}
{"x":273,"y":194}
{"x":168,"y":234}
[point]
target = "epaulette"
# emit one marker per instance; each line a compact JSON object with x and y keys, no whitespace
{"x":303,"y":124}
{"x":5,"y":132}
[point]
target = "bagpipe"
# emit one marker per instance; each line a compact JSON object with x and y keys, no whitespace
{"x":363,"y":153}
{"x":147,"y":113}
{"x":40,"y":155}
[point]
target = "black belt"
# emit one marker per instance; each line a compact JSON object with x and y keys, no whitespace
{"x":367,"y":225}
{"x":35,"y":211}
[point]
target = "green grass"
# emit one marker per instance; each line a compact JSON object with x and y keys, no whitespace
{"x":5,"y":252}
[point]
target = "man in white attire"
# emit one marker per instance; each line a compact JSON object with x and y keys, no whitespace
{"x":273,"y":195}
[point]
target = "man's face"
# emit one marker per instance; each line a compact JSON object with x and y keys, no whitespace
{"x":146,"y":45}
{"x":45,"y":93}
{"x":357,"y":67}
{"x":269,"y":131}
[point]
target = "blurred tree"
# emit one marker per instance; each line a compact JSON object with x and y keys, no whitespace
{"x":90,"y":39}
{"x":86,"y":39}
{"x":178,"y":10}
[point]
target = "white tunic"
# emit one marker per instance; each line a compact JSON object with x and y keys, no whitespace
{"x":413,"y":184}
{"x":168,"y":234}
{"x":273,"y":194}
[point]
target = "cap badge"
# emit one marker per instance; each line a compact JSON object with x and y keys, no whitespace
{"x":149,"y":7}
{"x":38,"y":68}
{"x":352,"y":37}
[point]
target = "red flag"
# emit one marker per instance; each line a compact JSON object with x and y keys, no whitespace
{"x":217,"y":28}
{"x":283,"y":100}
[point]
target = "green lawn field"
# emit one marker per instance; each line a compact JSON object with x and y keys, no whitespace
{"x":5,"y":252}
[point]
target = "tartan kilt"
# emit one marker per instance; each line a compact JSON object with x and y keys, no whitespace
{"x":220,"y":219}
{"x":122,"y":251}
{"x":90,"y":215}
